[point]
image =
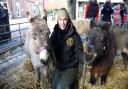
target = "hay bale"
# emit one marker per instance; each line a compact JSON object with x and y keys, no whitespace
{"x":82,"y":26}
{"x":22,"y":77}
{"x":18,"y":78}
{"x":27,"y":65}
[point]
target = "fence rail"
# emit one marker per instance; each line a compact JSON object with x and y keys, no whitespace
{"x":13,"y":46}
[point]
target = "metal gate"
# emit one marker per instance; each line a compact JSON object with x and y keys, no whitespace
{"x":13,"y":47}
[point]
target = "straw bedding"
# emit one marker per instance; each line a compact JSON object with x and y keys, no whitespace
{"x":23,"y":77}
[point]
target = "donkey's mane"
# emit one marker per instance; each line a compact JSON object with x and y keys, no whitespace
{"x":40,"y":26}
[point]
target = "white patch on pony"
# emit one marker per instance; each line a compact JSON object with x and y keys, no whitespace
{"x":44,"y":55}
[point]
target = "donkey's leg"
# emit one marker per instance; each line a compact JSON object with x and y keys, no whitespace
{"x":38,"y":74}
{"x":103,"y":78}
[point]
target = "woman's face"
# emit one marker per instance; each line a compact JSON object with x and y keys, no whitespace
{"x":62,"y":22}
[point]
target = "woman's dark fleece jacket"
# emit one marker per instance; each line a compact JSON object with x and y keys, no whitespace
{"x":67,"y":47}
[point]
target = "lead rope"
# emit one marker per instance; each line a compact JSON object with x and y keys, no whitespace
{"x":83,"y":74}
{"x":82,"y":81}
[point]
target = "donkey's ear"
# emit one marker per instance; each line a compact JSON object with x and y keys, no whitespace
{"x":44,"y":14}
{"x":30,"y":19}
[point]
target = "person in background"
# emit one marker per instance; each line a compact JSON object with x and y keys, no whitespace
{"x":116,"y":16}
{"x":68,"y":50}
{"x":92,"y":10}
{"x":106,"y":12}
{"x":123,"y":13}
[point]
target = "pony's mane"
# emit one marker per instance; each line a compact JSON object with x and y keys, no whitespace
{"x":107,"y":37}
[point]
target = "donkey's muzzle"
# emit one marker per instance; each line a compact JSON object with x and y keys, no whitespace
{"x":44,"y":62}
{"x":44,"y":54}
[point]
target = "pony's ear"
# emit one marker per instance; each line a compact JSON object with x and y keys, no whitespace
{"x":105,"y":26}
{"x":44,"y":14}
{"x":30,"y":19}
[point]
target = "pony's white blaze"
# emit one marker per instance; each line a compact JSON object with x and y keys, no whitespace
{"x":44,"y":55}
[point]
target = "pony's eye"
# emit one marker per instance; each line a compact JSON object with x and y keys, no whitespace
{"x":34,"y":38}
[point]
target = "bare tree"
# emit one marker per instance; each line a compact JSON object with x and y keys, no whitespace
{"x":72,"y":8}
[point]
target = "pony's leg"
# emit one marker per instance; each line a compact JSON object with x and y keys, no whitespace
{"x":125,"y":58}
{"x":93,"y":80}
{"x":93,"y":77}
{"x":95,"y":73}
{"x":126,"y":65}
{"x":103,"y":78}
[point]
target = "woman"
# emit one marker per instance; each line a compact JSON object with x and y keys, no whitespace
{"x":117,"y":16}
{"x":68,"y":51}
{"x":123,"y":13}
{"x":107,"y":12}
{"x":92,"y":10}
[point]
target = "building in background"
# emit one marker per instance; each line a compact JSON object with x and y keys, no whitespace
{"x":18,"y":8}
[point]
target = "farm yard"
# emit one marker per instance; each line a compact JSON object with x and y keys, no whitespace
{"x":22,"y":75}
{"x":31,"y":55}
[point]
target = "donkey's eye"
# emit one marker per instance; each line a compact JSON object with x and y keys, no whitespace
{"x":102,"y":41}
{"x":47,"y":34}
{"x":34,"y":38}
